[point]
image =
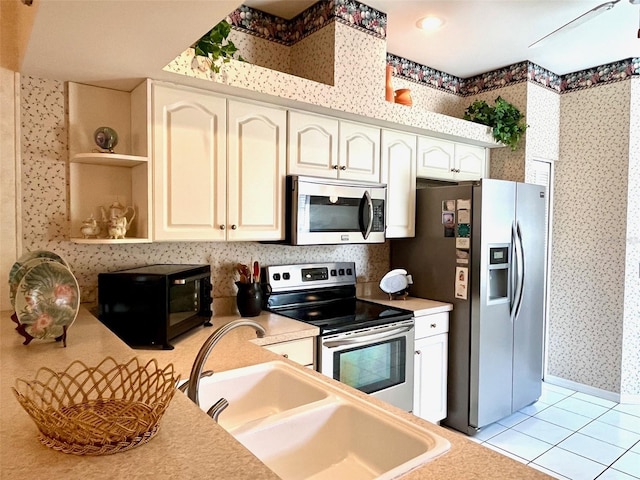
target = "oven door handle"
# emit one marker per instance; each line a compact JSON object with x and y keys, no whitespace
{"x":366,"y":337}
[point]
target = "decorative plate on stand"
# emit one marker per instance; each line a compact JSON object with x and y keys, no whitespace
{"x":47,"y":302}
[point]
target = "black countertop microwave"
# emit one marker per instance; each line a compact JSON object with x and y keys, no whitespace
{"x":149,"y":306}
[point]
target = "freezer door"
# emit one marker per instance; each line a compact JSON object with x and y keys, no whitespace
{"x":494,"y":210}
{"x":529,"y":322}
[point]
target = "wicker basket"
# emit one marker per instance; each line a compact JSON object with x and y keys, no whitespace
{"x":98,"y":410}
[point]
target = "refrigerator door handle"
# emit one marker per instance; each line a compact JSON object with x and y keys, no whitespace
{"x":519,"y":273}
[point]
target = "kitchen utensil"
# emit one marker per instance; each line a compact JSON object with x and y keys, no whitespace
{"x":256,"y":271}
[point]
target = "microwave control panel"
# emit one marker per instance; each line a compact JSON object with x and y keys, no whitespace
{"x":378,"y":216}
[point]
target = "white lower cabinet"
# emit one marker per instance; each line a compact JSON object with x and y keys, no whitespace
{"x":430,"y":364}
{"x":301,"y":351}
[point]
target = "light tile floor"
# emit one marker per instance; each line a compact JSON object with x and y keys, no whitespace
{"x":571,"y":435}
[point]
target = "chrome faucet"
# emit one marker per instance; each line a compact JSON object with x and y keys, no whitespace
{"x":205,"y":351}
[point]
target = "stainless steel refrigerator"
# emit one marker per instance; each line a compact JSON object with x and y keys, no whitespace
{"x":481,"y":247}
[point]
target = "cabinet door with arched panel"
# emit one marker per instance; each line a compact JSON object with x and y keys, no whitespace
{"x":313,"y":145}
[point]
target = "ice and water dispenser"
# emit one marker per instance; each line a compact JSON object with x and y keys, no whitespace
{"x":498,"y":273}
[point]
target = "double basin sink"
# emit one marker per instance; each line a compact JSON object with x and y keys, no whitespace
{"x":304,"y":428}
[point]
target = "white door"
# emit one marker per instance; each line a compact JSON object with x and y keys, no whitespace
{"x":398,"y":164}
{"x":256,"y":172}
{"x":540,"y":172}
{"x":313,"y":145}
{"x":359,"y":152}
{"x":189,"y":164}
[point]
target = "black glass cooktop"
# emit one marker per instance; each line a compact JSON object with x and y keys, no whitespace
{"x":345,"y":315}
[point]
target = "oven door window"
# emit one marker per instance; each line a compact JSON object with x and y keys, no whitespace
{"x":372,"y":367}
{"x":184,"y":301}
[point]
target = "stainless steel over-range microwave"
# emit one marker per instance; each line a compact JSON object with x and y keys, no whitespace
{"x":322,"y":211}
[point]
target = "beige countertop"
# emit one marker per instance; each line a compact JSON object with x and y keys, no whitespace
{"x":419,"y":306}
{"x":189,"y":444}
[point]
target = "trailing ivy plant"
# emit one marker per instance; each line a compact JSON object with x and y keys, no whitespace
{"x":214,"y":46}
{"x":506,"y":121}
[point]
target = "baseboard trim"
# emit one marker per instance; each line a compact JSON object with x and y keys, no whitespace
{"x":630,"y":399}
{"x":581,"y":387}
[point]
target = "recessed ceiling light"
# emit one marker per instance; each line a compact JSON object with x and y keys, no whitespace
{"x":430,"y":23}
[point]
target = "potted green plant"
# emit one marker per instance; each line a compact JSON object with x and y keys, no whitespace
{"x":506,"y":121}
{"x":215,"y":46}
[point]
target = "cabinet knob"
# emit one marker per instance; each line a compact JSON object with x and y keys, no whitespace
{"x":433,"y":325}
{"x":234,"y":227}
{"x":222,"y":227}
{"x":418,"y":352}
{"x":335,"y":167}
{"x":285,"y":355}
{"x":343,"y":167}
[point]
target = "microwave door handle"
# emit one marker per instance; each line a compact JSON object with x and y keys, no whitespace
{"x":369,"y":205}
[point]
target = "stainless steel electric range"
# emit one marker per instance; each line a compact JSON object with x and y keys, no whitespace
{"x":362,"y":344}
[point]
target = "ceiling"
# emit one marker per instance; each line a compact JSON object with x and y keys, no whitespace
{"x":479,"y":36}
{"x":116,"y":43}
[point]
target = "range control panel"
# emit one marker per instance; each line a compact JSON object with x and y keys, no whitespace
{"x":300,"y":277}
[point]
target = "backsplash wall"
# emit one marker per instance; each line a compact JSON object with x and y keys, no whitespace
{"x":46,"y":219}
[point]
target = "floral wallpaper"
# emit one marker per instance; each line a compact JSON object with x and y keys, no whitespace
{"x":587,"y":293}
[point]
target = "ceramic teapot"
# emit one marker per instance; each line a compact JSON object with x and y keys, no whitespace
{"x":116,"y":221}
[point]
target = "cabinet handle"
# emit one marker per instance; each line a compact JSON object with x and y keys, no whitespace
{"x":234,"y":227}
{"x":335,"y":167}
{"x":418,"y":352}
{"x":222,"y":227}
{"x":285,"y":355}
{"x":343,"y":168}
{"x":433,"y":325}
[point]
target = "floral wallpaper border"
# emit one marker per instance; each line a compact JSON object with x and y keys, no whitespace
{"x":288,"y":32}
{"x":516,"y":73}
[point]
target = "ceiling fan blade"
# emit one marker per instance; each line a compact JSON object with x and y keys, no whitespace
{"x":588,"y":15}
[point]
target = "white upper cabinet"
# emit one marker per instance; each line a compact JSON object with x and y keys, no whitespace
{"x":256,"y":171}
{"x":359,"y":152}
{"x":313,"y":145}
{"x":399,"y":173}
{"x":219,"y":167}
{"x":330,"y":148}
{"x":189,"y":154}
{"x":444,"y":160}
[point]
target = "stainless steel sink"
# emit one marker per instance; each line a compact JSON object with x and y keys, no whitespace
{"x":304,"y":428}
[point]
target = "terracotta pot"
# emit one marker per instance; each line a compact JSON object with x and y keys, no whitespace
{"x":403,"y":96}
{"x":388,"y":93}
